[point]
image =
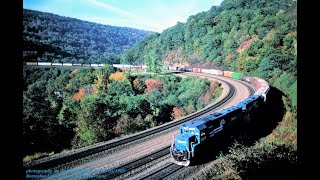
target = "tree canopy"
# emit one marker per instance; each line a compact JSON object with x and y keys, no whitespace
{"x":51,"y":38}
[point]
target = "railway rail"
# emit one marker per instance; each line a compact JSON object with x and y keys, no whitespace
{"x":51,"y":162}
{"x":166,"y":170}
{"x":78,"y":154}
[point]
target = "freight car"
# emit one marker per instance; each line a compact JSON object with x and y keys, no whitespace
{"x":31,"y":63}
{"x":188,"y":69}
{"x":212,"y":71}
{"x":165,"y":68}
{"x":44,"y":64}
{"x":56,"y":64}
{"x":194,"y":134}
{"x":227,"y":74}
{"x":197,"y":70}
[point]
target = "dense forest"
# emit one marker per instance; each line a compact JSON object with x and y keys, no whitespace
{"x":52,"y":38}
{"x":68,"y":107}
{"x":255,"y":37}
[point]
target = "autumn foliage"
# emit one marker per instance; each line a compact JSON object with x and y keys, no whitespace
{"x":207,"y":97}
{"x":214,"y":85}
{"x":229,"y":58}
{"x":246,"y":44}
{"x":152,"y":84}
{"x":117,"y":76}
{"x":86,"y":90}
{"x":171,"y":56}
{"x":79,"y":95}
{"x":177,"y":112}
{"x":138,"y":85}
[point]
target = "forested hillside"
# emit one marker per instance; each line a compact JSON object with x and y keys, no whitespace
{"x":52,"y":38}
{"x":255,"y":37}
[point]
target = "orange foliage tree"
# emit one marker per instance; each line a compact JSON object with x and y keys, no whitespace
{"x":79,"y":95}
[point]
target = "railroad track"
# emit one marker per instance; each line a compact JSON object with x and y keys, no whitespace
{"x":247,"y":85}
{"x":148,"y":160}
{"x":47,"y":163}
{"x":132,"y":165}
{"x":163,"y":172}
{"x":168,"y":169}
{"x":136,"y":163}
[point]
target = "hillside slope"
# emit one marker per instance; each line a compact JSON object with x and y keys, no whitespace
{"x":256,"y":37}
{"x":52,"y":38}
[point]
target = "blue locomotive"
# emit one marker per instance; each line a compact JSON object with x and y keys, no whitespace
{"x":197,"y":132}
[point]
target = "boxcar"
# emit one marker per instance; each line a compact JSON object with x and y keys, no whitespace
{"x":197,"y":70}
{"x":227,"y":74}
{"x":237,"y":75}
{"x":44,"y":63}
{"x":31,"y":63}
{"x":165,"y":68}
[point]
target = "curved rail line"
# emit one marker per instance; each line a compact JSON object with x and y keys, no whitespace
{"x":250,"y":89}
{"x":46,"y":164}
{"x":171,"y":167}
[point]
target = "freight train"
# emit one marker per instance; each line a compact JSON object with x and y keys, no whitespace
{"x":126,"y":66}
{"x":198,"y":132}
{"x":261,"y":86}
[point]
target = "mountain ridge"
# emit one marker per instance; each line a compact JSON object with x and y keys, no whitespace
{"x":50,"y":37}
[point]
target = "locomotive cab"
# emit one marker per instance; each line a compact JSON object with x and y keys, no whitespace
{"x":183,"y":145}
{"x":180,"y":150}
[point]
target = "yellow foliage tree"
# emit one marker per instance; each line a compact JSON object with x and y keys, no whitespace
{"x":100,"y":83}
{"x":117,"y":76}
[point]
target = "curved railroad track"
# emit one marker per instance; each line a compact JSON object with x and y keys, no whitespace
{"x":135,"y":169}
{"x":86,"y":154}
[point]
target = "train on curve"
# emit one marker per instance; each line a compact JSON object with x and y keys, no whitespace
{"x":193,"y":134}
{"x":261,"y":86}
{"x":53,"y":64}
{"x":197,"y":132}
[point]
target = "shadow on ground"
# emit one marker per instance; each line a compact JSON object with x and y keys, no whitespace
{"x":262,"y":122}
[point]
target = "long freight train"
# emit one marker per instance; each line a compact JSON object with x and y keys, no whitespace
{"x":197,"y":132}
{"x":193,"y":134}
{"x":82,"y":65}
